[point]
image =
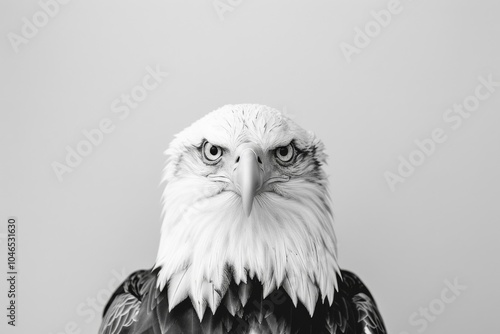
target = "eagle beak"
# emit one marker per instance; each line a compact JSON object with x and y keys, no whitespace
{"x":248,"y":177}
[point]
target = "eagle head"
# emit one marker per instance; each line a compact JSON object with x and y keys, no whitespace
{"x":246,"y":197}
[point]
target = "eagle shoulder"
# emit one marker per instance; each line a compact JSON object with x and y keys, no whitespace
{"x":129,"y":301}
{"x":354,"y":308}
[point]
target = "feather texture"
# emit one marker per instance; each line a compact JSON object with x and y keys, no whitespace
{"x":178,"y":288}
{"x":353,"y":311}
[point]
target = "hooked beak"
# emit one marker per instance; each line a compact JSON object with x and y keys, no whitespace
{"x":248,"y":178}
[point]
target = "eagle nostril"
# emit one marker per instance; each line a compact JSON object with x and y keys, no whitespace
{"x":237,"y":159}
{"x":260,"y":161}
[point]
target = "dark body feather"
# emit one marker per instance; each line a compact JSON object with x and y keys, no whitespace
{"x":138,"y":307}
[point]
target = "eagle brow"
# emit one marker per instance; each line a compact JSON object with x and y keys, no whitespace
{"x":284,"y":144}
{"x":204,"y":140}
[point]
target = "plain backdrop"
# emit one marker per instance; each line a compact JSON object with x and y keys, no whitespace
{"x":102,"y":221}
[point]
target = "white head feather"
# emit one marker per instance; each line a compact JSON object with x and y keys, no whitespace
{"x":206,"y":239}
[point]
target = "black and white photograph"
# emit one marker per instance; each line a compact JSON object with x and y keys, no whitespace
{"x":250,"y":167}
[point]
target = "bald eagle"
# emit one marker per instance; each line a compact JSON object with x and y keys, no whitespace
{"x":247,"y":241}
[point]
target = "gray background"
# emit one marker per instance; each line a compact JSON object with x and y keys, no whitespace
{"x":104,"y":217}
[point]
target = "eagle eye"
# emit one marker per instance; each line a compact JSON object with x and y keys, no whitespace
{"x":211,"y":153}
{"x":285,"y":153}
